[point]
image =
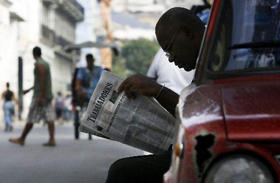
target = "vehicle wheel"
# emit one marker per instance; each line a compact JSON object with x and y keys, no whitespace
{"x":239,"y":169}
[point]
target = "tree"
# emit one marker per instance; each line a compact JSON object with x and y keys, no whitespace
{"x":136,"y":57}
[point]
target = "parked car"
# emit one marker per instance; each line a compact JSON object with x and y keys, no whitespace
{"x":230,"y":115}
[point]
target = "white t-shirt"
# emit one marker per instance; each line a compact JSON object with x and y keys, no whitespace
{"x":168,"y":74}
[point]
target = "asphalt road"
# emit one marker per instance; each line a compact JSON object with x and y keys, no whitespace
{"x":71,"y":161}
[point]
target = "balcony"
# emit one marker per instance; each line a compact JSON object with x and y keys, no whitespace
{"x":48,"y":34}
{"x":59,"y":40}
{"x":77,"y":5}
{"x":49,"y":2}
{"x":70,"y":7}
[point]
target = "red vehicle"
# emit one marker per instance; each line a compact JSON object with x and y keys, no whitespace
{"x":230,"y":115}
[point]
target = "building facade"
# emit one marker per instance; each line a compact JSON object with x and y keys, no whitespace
{"x":149,"y":11}
{"x":49,"y":24}
{"x":88,"y":30}
{"x":57,"y":30}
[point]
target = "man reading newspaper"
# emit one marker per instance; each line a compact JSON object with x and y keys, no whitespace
{"x":179,"y":33}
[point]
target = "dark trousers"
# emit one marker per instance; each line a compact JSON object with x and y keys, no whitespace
{"x":140,"y":169}
{"x":77,"y":125}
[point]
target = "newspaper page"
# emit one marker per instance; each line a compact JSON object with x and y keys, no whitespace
{"x":142,"y":122}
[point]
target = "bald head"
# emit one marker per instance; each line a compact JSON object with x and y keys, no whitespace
{"x":179,"y":31}
{"x":177,"y":18}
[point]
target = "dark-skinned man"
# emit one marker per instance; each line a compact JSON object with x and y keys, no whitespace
{"x":179,"y":33}
{"x":41,"y":107}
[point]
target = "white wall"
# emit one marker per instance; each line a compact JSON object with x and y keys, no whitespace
{"x":64,"y":28}
{"x":7,"y":69}
{"x":12,"y":44}
{"x":61,"y":75}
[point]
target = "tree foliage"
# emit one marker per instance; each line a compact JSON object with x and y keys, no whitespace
{"x":136,"y":57}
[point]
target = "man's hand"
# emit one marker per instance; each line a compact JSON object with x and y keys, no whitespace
{"x":26,"y":91}
{"x":142,"y":85}
{"x":81,"y":92}
{"x":139,"y":85}
{"x":81,"y":96}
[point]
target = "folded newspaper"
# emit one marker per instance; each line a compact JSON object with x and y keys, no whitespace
{"x":142,"y":122}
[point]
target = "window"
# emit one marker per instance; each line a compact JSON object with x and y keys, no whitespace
{"x":248,"y":38}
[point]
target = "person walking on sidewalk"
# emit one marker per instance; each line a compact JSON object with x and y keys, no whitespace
{"x":59,"y":106}
{"x":8,"y":107}
{"x":41,"y":107}
{"x":85,"y":83}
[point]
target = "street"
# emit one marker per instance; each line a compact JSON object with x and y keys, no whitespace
{"x":77,"y":161}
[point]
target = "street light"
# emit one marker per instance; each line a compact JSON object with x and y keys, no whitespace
{"x":89,"y":44}
{"x":73,"y":48}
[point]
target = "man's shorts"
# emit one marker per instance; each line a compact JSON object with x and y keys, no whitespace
{"x":40,"y":112}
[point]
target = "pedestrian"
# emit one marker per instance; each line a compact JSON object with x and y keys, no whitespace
{"x":41,"y":106}
{"x":68,"y":108}
{"x":179,"y":33}
{"x":59,"y":106}
{"x":9,"y":109}
{"x":85,"y":83}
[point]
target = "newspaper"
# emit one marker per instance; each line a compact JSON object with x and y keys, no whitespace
{"x":142,"y":122}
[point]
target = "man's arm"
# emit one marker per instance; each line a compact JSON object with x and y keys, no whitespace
{"x":14,"y":98}
{"x":78,"y":83}
{"x":3,"y":95}
{"x":78,"y":87}
{"x":28,"y":90}
{"x":168,"y":99}
{"x":142,"y":85}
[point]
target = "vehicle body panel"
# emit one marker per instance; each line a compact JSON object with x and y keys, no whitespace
{"x":201,"y":110}
{"x":232,"y":107}
{"x":251,"y":109}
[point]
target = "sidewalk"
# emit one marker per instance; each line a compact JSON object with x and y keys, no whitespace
{"x":18,"y":124}
{"x":71,"y":161}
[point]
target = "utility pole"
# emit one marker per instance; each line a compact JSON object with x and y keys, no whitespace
{"x":20,"y":87}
